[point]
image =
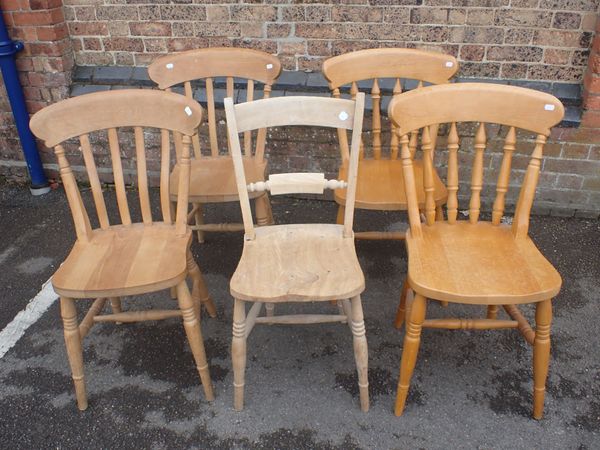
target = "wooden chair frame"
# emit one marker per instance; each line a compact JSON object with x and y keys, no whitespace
{"x":212,"y":175}
{"x":307,"y":111}
{"x":383,"y":191}
{"x":435,"y":248}
{"x":97,"y":266}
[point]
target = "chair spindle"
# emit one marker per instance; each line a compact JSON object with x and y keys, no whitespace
{"x":115,"y":154}
{"x":428,"y":176}
{"x":212,"y":121}
{"x":394,"y":137}
{"x":376,"y":128}
{"x":140,"y":153}
{"x":414,"y":217}
{"x":165,"y":156}
{"x":453,"y":144}
{"x":353,"y":92}
{"x":248,"y":134}
{"x":504,"y":176}
{"x":189,"y":93}
{"x":90,"y":165}
{"x":477,"y":175}
{"x":342,"y":134}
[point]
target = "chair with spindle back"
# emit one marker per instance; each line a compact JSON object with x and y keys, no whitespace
{"x":380,"y":183}
{"x":212,"y":177}
{"x":130,"y":258}
{"x":297,"y":262}
{"x":473,"y":261}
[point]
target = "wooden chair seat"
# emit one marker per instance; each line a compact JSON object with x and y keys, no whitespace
{"x":124,"y":260}
{"x":298,"y":262}
{"x":212,"y":179}
{"x":476,"y":261}
{"x":380,"y":185}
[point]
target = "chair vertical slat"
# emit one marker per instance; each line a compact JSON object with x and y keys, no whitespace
{"x":353,"y":92}
{"x":115,"y":154}
{"x":261,"y":134}
{"x":477,"y":175}
{"x":183,"y":189}
{"x":414,"y":217}
{"x":165,"y":159}
{"x":80,"y":217}
{"x":428,"y":176}
{"x":394,"y":137}
{"x":376,"y":128}
{"x":212,"y":121}
{"x":90,"y":165}
{"x":140,"y":153}
{"x":452,"y":203}
{"x":504,"y":176}
{"x":195,"y":139}
{"x":342,"y":135}
{"x":230,"y":92}
{"x":520,"y":226}
{"x":248,"y":134}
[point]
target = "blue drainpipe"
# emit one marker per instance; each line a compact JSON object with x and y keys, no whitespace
{"x":8,"y":48}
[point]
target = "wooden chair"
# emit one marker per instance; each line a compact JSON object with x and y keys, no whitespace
{"x":380,"y":183}
{"x":116,"y":260}
{"x":473,"y":261}
{"x":296,"y":263}
{"x":212,"y":177}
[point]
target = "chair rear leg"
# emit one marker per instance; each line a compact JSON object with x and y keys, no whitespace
{"x":264,"y":213}
{"x":412,"y":340}
{"x":492,"y":311}
{"x":361,"y":352}
{"x":115,"y":306}
{"x":199,"y":292}
{"x":401,"y":311}
{"x":270,"y":309}
{"x":193,"y":331}
{"x":68,"y":312}
{"x":238,"y":353}
{"x":199,"y":219}
{"x":340,"y":215}
{"x":541,"y":355}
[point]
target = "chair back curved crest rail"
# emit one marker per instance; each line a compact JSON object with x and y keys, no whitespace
{"x":380,"y":185}
{"x":296,"y":262}
{"x":212,"y":177}
{"x":475,"y":261}
{"x":112,"y":260}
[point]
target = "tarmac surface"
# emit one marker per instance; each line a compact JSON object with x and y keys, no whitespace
{"x":470,"y":389}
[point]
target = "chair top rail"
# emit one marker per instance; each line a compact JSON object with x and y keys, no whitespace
{"x":196,"y":64}
{"x":297,"y":110}
{"x":431,"y":67}
{"x":123,"y":108}
{"x":476,"y":102}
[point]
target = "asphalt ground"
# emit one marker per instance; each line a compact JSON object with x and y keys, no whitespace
{"x":470,"y":389}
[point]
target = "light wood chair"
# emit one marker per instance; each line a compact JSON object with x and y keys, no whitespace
{"x":212,"y":177}
{"x":472,"y":261}
{"x":297,"y":262}
{"x":380,"y":183}
{"x":116,"y":260}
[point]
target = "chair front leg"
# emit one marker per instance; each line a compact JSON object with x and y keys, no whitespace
{"x":541,"y":355}
{"x":199,"y":220}
{"x":68,"y":312}
{"x":199,"y":292}
{"x":361,"y":352}
{"x":238,"y":353}
{"x":401,"y":311}
{"x":193,"y":331}
{"x":412,"y":340}
{"x":264,"y":213}
{"x":340,"y":215}
{"x":492,"y":311}
{"x":116,"y":307}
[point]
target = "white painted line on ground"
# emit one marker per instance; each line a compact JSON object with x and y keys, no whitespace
{"x":36,"y":307}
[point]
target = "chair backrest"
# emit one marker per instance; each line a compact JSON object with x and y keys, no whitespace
{"x":210,"y":63}
{"x":107,"y":113}
{"x":306,"y":111}
{"x":513,"y":107}
{"x":380,"y":63}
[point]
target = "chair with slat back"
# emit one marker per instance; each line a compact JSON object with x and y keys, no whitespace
{"x":115,"y":260}
{"x":476,"y":261}
{"x":212,"y":177}
{"x":297,"y":262}
{"x":380,"y":186}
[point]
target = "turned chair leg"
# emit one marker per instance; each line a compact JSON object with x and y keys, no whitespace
{"x":115,"y":306}
{"x":199,"y":219}
{"x":412,"y":340}
{"x":541,"y":355}
{"x":264,"y":213}
{"x":361,"y":352}
{"x":199,"y":292}
{"x":401,"y":311}
{"x":238,"y":353}
{"x":492,"y":311}
{"x":193,"y":331}
{"x":270,"y":309}
{"x":340,"y":215}
{"x":68,"y":312}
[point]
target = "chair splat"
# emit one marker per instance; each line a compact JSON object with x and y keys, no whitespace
{"x":115,"y":155}
{"x":90,"y":166}
{"x":504,"y":176}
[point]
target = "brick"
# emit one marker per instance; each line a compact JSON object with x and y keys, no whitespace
{"x":357,"y":14}
{"x":523,"y":17}
{"x":480,"y":17}
{"x":181,"y":44}
{"x":506,"y":53}
{"x":314,"y":31}
{"x":117,"y":12}
{"x":588,"y":22}
{"x":566,"y":20}
{"x":183,"y":12}
{"x":85,"y":13}
{"x":591,"y":101}
{"x":591,"y":119}
{"x":94,"y":44}
{"x":252,"y":29}
{"x":477,"y":35}
{"x":150,"y":28}
{"x":558,"y":38}
{"x":316,"y":14}
{"x":398,"y":15}
{"x":88,"y":29}
{"x":562,"y":73}
{"x":513,"y":71}
{"x":291,"y":48}
{"x":557,"y":56}
{"x":472,"y":52}
{"x":217,"y":29}
{"x":249,"y":13}
{"x":149,"y":12}
{"x":292,"y":13}
{"x":216,"y":13}
{"x":572,"y":166}
{"x":580,"y":58}
{"x":53,"y":33}
{"x":429,"y":15}
{"x":155,"y":45}
{"x":318,"y":48}
{"x":591,"y":82}
{"x":575,"y":151}
{"x":279,"y":30}
{"x":123,"y":44}
{"x":518,"y":36}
